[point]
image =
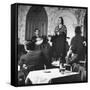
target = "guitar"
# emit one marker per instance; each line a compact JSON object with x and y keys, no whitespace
{"x":39,"y":41}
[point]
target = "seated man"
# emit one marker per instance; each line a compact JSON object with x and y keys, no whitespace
{"x":33,"y":60}
{"x":37,"y":40}
{"x":77,"y":46}
{"x":77,"y":53}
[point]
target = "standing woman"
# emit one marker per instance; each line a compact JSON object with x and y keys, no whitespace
{"x":59,"y":41}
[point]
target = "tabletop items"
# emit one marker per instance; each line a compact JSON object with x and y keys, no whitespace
{"x":44,"y":76}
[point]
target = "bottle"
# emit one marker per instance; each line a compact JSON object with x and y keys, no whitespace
{"x":60,"y":66}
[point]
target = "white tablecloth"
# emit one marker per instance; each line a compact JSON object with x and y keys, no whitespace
{"x":44,"y":76}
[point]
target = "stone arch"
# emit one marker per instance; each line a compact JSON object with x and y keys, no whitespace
{"x":36,"y":18}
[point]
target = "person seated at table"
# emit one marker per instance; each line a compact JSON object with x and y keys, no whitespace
{"x":77,"y":47}
{"x":34,"y":60}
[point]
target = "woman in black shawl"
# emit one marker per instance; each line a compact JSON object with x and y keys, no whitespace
{"x":59,"y":41}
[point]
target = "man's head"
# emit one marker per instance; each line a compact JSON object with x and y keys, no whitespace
{"x":36,"y":31}
{"x":30,"y":45}
{"x":78,"y":30}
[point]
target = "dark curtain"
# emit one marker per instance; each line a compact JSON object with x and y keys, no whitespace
{"x":36,"y":18}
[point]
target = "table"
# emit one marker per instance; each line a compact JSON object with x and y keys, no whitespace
{"x":44,"y":76}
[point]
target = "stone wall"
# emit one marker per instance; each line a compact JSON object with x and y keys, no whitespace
{"x":22,"y":12}
{"x":72,"y":17}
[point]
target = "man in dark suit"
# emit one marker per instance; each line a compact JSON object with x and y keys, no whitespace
{"x":33,"y":60}
{"x":77,"y":46}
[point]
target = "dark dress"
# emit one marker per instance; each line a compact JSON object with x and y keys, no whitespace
{"x":59,"y":46}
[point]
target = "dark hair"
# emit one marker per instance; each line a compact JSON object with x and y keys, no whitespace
{"x":44,"y":39}
{"x":78,"y":30}
{"x":62,"y":21}
{"x":49,"y":35}
{"x":30,"y":45}
{"x":36,"y":29}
